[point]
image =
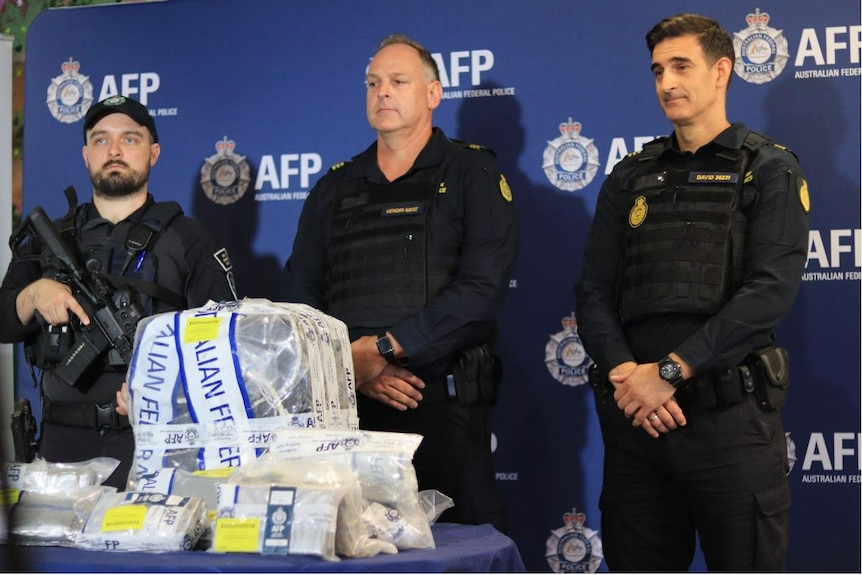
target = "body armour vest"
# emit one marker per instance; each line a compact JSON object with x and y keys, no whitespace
{"x":685,"y":241}
{"x":384,"y":262}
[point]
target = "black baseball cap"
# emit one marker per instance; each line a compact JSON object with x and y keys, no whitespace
{"x":113,"y":104}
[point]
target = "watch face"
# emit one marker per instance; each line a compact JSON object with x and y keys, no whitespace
{"x":669,"y":371}
{"x":384,"y":346}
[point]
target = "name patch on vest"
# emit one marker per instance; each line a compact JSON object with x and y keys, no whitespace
{"x":402,"y":210}
{"x":713,"y":177}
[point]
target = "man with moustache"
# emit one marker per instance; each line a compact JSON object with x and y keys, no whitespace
{"x":695,"y":254}
{"x":167,"y":260}
{"x":411,"y":244}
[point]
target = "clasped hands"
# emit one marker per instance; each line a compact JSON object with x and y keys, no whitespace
{"x":378,"y":379}
{"x":646,"y":398}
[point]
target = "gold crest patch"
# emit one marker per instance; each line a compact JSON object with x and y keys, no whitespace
{"x":638,"y":213}
{"x":505,"y":190}
{"x":803,"y":196}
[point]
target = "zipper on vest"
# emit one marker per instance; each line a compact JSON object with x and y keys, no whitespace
{"x":689,"y":232}
{"x":408,"y":239}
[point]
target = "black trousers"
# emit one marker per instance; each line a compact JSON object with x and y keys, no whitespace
{"x":62,"y":444}
{"x":723,"y":477}
{"x":453,"y":458}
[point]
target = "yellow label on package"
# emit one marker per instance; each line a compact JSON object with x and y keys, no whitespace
{"x":201,"y":329}
{"x":217,"y":472}
{"x":237,"y":535}
{"x":9,"y":496}
{"x":124,"y":517}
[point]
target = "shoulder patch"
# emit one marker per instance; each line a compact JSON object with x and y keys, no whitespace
{"x":505,"y":190}
{"x":780,"y":147}
{"x":337,"y":166}
{"x":802,"y":191}
{"x":633,"y":154}
{"x":476,"y":147}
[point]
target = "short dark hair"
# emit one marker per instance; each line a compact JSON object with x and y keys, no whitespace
{"x":427,"y":60}
{"x":713,"y":39}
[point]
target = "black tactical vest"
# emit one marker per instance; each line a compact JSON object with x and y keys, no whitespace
{"x":124,"y":259}
{"x":686,"y":234}
{"x":384,"y":262}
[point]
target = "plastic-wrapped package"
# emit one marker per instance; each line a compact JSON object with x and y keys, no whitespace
{"x":277,"y":519}
{"x":208,"y":386}
{"x":58,"y":478}
{"x":334,"y":345}
{"x":326,"y":500}
{"x":434,"y":503}
{"x":137,"y":521}
{"x":173,"y":481}
{"x":53,"y":519}
{"x":383,"y":463}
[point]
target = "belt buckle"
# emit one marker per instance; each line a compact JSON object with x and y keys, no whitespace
{"x":107,"y":417}
{"x":451,"y":390}
{"x":747,"y":379}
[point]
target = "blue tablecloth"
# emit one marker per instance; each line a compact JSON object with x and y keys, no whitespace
{"x":459,"y":548}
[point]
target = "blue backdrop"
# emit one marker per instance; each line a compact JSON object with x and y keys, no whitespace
{"x":263,"y":96}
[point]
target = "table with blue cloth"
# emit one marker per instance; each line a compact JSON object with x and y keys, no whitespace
{"x":459,"y":548}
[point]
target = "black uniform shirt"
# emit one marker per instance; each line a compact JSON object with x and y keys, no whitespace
{"x":774,"y":260}
{"x":185,"y":264}
{"x":473,"y":204}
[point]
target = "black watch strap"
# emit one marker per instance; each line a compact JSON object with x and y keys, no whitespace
{"x":670,"y":371}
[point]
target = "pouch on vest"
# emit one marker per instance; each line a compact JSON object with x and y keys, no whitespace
{"x":477,"y":373}
{"x":771,"y":369}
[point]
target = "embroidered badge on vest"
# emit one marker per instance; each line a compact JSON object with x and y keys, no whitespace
{"x":505,"y":190}
{"x":803,"y":195}
{"x":638,"y":213}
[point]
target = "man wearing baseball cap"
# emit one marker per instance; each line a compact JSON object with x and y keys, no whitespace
{"x":120,"y":104}
{"x":148,"y":250}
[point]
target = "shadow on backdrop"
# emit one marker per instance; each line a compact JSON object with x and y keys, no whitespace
{"x":814,"y":133}
{"x":540,"y":424}
{"x":235,"y":226}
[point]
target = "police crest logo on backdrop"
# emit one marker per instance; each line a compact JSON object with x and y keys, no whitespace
{"x":574,"y":548}
{"x":70,"y":94}
{"x":225,"y":175}
{"x":761,"y":51}
{"x":570,"y":161}
{"x":565,"y":356}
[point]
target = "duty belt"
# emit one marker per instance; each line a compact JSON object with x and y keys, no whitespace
{"x":89,"y":415}
{"x":723,"y":390}
{"x":439,"y":388}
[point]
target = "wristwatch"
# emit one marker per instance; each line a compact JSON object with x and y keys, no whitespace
{"x":670,"y":371}
{"x":384,"y":347}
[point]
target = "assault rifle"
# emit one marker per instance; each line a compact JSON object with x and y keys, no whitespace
{"x":114,"y":313}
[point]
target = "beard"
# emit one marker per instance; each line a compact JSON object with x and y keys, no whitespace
{"x":112,"y":184}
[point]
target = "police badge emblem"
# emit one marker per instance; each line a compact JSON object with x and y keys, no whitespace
{"x":761,"y":51}
{"x":225,"y":175}
{"x":565,"y":357}
{"x":571,"y":161}
{"x":574,"y":548}
{"x":70,"y":94}
{"x":638,"y":213}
